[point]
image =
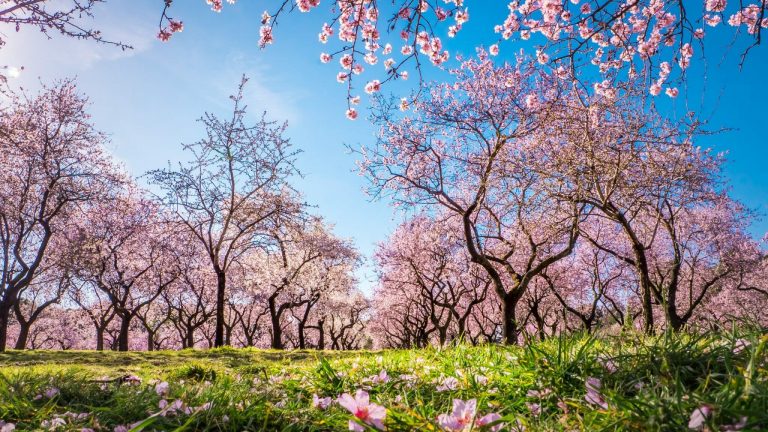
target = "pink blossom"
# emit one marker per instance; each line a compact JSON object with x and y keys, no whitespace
{"x":352,"y":114}
{"x":164,"y":35}
{"x":265,"y":36}
{"x":325,"y":57}
{"x":450,"y":383}
{"x":493,"y":50}
{"x":7,"y":427}
{"x":699,"y":417}
{"x":462,"y":418}
{"x":715,"y":5}
{"x":363,"y":410}
{"x":373,"y":87}
{"x":672,"y":92}
{"x":176,"y":26}
{"x":542,"y":57}
{"x":321,"y":403}
{"x":162,"y":388}
{"x":346,"y":61}
{"x":593,"y":395}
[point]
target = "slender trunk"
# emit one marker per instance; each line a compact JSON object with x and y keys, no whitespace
{"x":321,"y":337}
{"x":190,"y":338}
{"x":99,"y":338}
{"x":122,"y":337}
{"x":302,"y":339}
{"x":277,"y":331}
{"x":220,"y":300}
{"x":150,"y":340}
{"x":21,"y":342}
{"x":5,"y":315}
{"x":509,"y":330}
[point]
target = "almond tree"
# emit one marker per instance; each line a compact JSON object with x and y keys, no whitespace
{"x":643,"y":173}
{"x":428,"y":258}
{"x":52,"y":161}
{"x":230,"y":189}
{"x":465,"y":149}
{"x":125,"y":253}
{"x":293,"y":273}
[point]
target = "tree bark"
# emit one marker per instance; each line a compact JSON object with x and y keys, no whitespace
{"x":122,"y":337}
{"x":21,"y":342}
{"x":221,"y":283}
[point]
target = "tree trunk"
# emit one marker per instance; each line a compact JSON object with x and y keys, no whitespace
{"x":509,"y":330}
{"x":122,"y":337}
{"x":321,"y":337}
{"x":220,"y":300}
{"x":190,"y":338}
{"x":150,"y":340}
{"x":302,"y":338}
{"x":21,"y":342}
{"x":277,"y":331}
{"x":5,"y":315}
{"x":99,"y":338}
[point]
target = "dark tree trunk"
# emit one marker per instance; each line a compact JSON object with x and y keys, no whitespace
{"x":221,"y":283}
{"x":321,"y":336}
{"x":190,"y":338}
{"x":302,"y":339}
{"x":509,"y":329}
{"x":99,"y":338}
{"x":5,"y":315}
{"x":150,"y":340}
{"x":277,"y":331}
{"x":122,"y":337}
{"x":21,"y":342}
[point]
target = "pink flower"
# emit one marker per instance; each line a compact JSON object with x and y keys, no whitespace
{"x":176,"y":26}
{"x":265,"y":36}
{"x":655,"y":89}
{"x":403,"y":107}
{"x":321,"y":403}
{"x":593,"y":395}
{"x":164,"y":35}
{"x":162,"y":388}
{"x":715,"y":5}
{"x":381,"y":378}
{"x":493,"y":50}
{"x":370,"y":88}
{"x":542,"y":57}
{"x":346,"y":61}
{"x":449,"y":383}
{"x":352,"y":114}
{"x":463,"y":417}
{"x":672,"y":92}
{"x":325,"y":58}
{"x":699,"y":417}
{"x":7,"y":427}
{"x":363,"y":410}
{"x":51,"y":392}
{"x":488,"y":419}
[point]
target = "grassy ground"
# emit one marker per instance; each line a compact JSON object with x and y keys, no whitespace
{"x":645,"y":384}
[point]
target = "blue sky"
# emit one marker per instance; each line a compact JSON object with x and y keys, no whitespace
{"x":148,"y":98}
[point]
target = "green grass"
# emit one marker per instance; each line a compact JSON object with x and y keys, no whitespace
{"x":656,"y":385}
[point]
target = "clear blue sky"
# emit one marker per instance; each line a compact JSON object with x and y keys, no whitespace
{"x":148,"y":98}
